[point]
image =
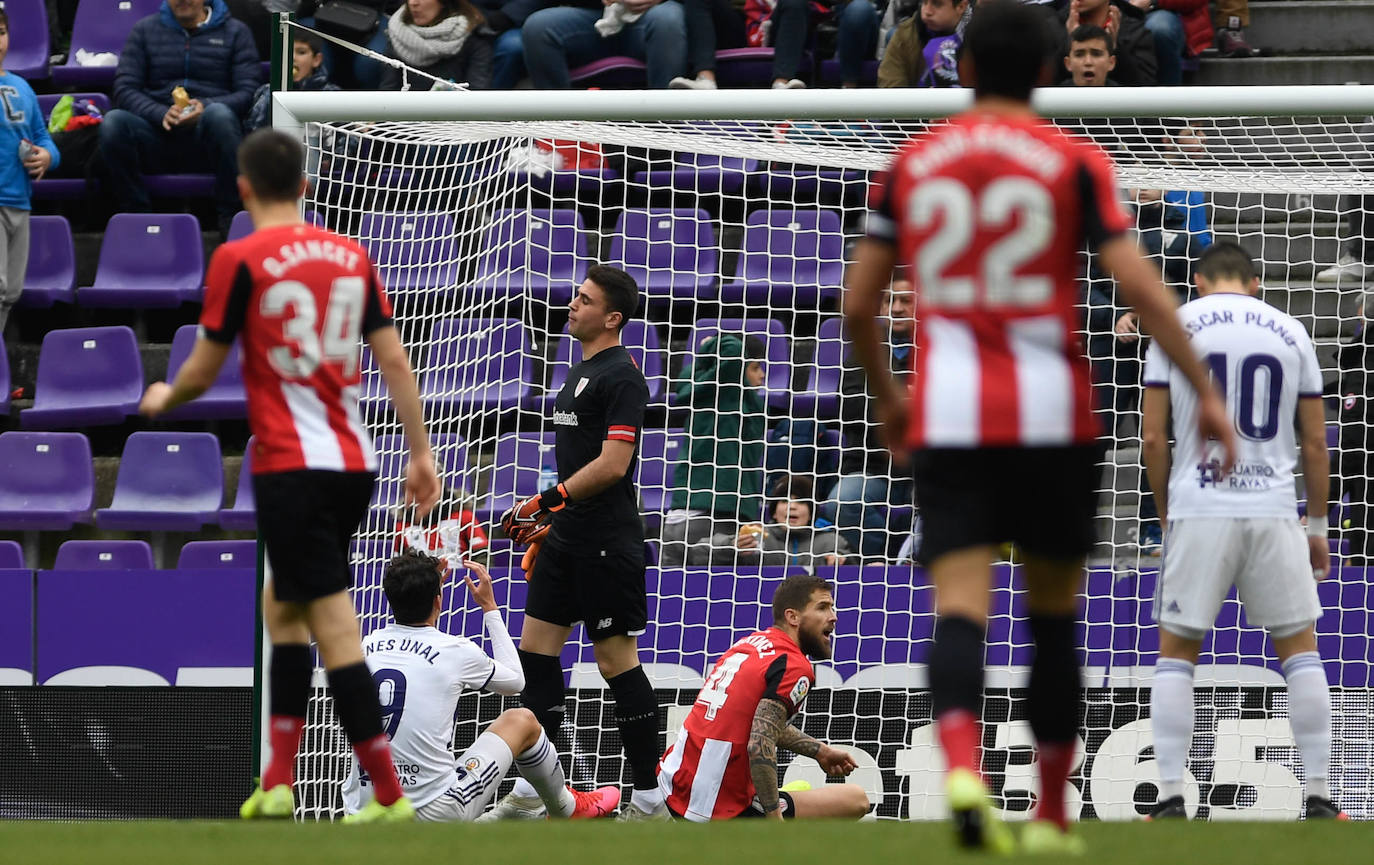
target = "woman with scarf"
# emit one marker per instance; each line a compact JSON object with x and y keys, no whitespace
{"x":438,"y":37}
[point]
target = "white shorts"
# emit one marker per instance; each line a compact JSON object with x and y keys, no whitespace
{"x":480,"y":770}
{"x":1265,"y":558}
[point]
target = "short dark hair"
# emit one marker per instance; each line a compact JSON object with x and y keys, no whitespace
{"x":793,"y":488}
{"x":622,"y":293}
{"x":273,"y":163}
{"x":411,"y":584}
{"x":1089,"y":32}
{"x":795,"y":592}
{"x":1226,"y":260}
{"x":4,"y":19}
{"x":316,"y":43}
{"x":1009,"y":44}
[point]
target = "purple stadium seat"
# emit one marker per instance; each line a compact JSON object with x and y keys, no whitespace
{"x":103,"y":556}
{"x":659,"y":452}
{"x":821,"y":398}
{"x":393,"y":453}
{"x":47,"y":481}
{"x":11,"y":555}
{"x":87,"y":376}
{"x":167,"y":482}
{"x":225,"y":398}
{"x":4,"y":378}
{"x":48,"y":101}
{"x":218,"y":554}
{"x":749,"y":67}
{"x":586,"y":182}
{"x":639,"y":338}
{"x":539,"y":252}
{"x":148,"y":260}
{"x":28,"y":54}
{"x":179,"y":185}
{"x":101,"y":26}
{"x":51,"y":273}
{"x":777,"y":381}
{"x":701,"y":174}
{"x":515,"y":472}
{"x":64,"y":187}
{"x":610,"y":72}
{"x":243,"y":516}
{"x":242,"y":224}
{"x":830,"y":72}
{"x":412,"y":251}
{"x":477,"y":364}
{"x":791,"y":258}
{"x":670,"y":253}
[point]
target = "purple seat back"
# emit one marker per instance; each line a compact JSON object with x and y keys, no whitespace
{"x":89,"y":375}
{"x":51,"y":273}
{"x":4,"y":377}
{"x":393,"y":453}
{"x":540,"y":251}
{"x":670,"y":253}
{"x":789,"y":253}
{"x":415,"y":251}
{"x":11,"y":556}
{"x":48,"y":101}
{"x":166,"y":480}
{"x":639,"y":338}
{"x":610,"y":72}
{"x":47,"y":480}
{"x":226,"y":398}
{"x":482,"y":363}
{"x":243,"y":515}
{"x":103,"y":25}
{"x":28,"y":54}
{"x":777,"y":351}
{"x":825,"y":371}
{"x":242,"y":224}
{"x":218,"y":554}
{"x":148,"y":259}
{"x":103,"y":555}
{"x":514,"y":473}
{"x":659,"y":452}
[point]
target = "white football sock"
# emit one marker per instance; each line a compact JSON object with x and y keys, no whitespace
{"x":647,"y":800}
{"x":1309,"y":714}
{"x":524,"y":789}
{"x":1171,"y":716}
{"x":539,"y":768}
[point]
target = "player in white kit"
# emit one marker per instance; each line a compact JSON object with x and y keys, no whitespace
{"x":421,"y":671}
{"x":1239,"y":528}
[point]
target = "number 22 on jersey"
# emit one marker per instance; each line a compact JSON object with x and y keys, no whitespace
{"x":311,"y":344}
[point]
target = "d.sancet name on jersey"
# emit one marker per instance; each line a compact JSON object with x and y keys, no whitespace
{"x":301,"y":251}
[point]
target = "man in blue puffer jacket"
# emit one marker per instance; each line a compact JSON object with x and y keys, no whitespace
{"x":196,"y":45}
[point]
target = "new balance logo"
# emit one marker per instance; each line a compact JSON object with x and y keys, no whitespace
{"x":604,"y":623}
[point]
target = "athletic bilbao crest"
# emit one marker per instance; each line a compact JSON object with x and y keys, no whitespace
{"x":581,"y":386}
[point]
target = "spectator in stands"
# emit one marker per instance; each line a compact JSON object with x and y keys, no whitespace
{"x":352,"y":70}
{"x":924,"y":48}
{"x":1232,"y":17}
{"x":793,"y":536}
{"x":1173,"y":25}
{"x":184,"y":84}
{"x":1090,"y":60}
{"x":870,"y":490}
{"x":1174,"y":224}
{"x":504,"y":18}
{"x":1135,"y":48}
{"x":718,"y":482}
{"x":1355,"y":387}
{"x":307,"y":73}
{"x":441,"y":38}
{"x":564,"y":36}
{"x":1356,"y":259}
{"x":28,"y":152}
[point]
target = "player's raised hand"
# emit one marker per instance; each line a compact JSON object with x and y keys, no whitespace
{"x":422,"y":485}
{"x":834,"y":761}
{"x":154,"y":400}
{"x":1320,"y":552}
{"x":480,"y":589}
{"x":1214,"y":423}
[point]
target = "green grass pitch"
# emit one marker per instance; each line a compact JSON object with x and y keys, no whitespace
{"x":604,"y":843}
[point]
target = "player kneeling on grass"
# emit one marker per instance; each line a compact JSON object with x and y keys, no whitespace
{"x":724,"y":763}
{"x":421,"y":671}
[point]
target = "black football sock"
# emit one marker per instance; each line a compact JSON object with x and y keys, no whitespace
{"x":355,"y":702}
{"x":544,"y":691}
{"x":1055,"y":688}
{"x":636,"y":714}
{"x":956,"y":667}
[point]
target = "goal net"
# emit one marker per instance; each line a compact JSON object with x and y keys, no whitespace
{"x":737,"y":213}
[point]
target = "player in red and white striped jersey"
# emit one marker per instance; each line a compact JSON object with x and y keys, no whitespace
{"x":991,"y":212}
{"x":301,"y":298}
{"x":724,"y":762}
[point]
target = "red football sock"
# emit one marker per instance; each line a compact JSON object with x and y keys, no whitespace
{"x":960,"y":735}
{"x":285,"y":736}
{"x":375,"y":757}
{"x":1056,"y":761}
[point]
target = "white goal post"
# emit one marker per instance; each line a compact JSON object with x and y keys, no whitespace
{"x":738,"y":210}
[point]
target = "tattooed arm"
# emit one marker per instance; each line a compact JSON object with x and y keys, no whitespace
{"x":770,"y":720}
{"x":797,"y":742}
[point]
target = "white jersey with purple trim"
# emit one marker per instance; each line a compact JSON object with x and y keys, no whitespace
{"x":1264,"y":362}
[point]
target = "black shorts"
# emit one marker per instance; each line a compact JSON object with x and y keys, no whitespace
{"x":603,"y":589}
{"x":306,"y":519}
{"x":1043,"y":499}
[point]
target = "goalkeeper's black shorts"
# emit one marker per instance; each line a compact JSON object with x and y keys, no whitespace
{"x":1042,"y":499}
{"x":602,"y":588}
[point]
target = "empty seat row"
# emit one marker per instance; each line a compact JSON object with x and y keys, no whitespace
{"x":167,"y":481}
{"x":100,"y":555}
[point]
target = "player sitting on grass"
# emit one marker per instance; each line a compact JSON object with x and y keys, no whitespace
{"x":724,"y":763}
{"x":421,"y":671}
{"x":1241,"y":529}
